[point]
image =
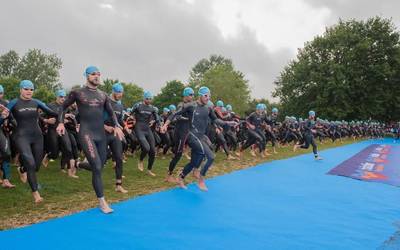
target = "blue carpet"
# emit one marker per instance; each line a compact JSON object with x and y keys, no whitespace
{"x":286,"y":204}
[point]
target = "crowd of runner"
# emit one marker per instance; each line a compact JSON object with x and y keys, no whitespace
{"x":86,"y":127}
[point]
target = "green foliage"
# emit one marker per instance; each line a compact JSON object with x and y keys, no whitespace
{"x":171,"y":93}
{"x":350,"y":72}
{"x":11,"y":87}
{"x":228,"y":85}
{"x":40,"y":68}
{"x":43,"y":94}
{"x":198,"y":71}
{"x":9,"y":63}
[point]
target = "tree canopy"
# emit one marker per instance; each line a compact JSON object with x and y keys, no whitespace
{"x":352,"y":71}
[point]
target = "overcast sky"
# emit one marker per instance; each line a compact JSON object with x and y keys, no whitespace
{"x":151,"y":42}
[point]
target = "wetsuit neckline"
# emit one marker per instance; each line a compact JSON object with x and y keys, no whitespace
{"x":91,"y":89}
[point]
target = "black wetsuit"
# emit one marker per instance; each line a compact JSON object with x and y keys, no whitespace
{"x":57,"y":142}
{"x":181,"y":131}
{"x":256,"y":135}
{"x":114,"y":143}
{"x":28,"y":137}
{"x":144,"y":114}
{"x":5,"y":149}
{"x":308,"y":136}
{"x":91,"y":104}
{"x":198,"y":141}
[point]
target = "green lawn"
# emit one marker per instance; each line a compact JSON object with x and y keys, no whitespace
{"x":63,"y":195}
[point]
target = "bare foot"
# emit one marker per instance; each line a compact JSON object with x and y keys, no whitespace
{"x":253,"y":153}
{"x":71,"y":173}
{"x":104,"y":207}
{"x":22,"y":176}
{"x":187,"y":156}
{"x":231,"y":157}
{"x":140,"y":166}
{"x":120,"y":189}
{"x":238,"y":154}
{"x":196,"y":174}
{"x":45,"y":161}
{"x":295,"y":147}
{"x":151,"y":173}
{"x":202,"y":185}
{"x":7,"y":184}
{"x":63,"y":171}
{"x":170,"y":179}
{"x":36,"y":197}
{"x":318,"y":158}
{"x":181,"y":183}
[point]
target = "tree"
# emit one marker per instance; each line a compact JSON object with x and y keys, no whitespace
{"x":352,"y":71}
{"x":44,"y":94}
{"x":228,"y":85}
{"x":9,"y":63}
{"x":171,"y":93}
{"x":198,"y":71}
{"x":40,"y":68}
{"x":11,"y":87}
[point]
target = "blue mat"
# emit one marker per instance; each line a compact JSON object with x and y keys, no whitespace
{"x":286,"y":204}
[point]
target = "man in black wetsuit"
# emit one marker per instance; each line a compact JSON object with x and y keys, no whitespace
{"x":5,"y":149}
{"x":144,"y":113}
{"x":113,"y":142}
{"x":199,"y":114}
{"x":181,"y":131}
{"x":57,"y":142}
{"x":309,"y":129}
{"x":91,"y":104}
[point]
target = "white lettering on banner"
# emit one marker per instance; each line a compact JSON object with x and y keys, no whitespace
{"x":367,"y":166}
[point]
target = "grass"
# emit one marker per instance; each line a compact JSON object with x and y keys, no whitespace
{"x":63,"y":195}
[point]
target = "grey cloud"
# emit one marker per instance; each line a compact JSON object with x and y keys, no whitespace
{"x":147,"y":42}
{"x":359,"y":9}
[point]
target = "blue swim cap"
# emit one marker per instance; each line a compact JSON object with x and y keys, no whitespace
{"x":259,"y":106}
{"x":1,"y":89}
{"x":172,"y":107}
{"x":188,"y":91}
{"x":26,"y":84}
{"x":166,"y":110}
{"x":147,"y":95}
{"x":274,"y":110}
{"x":220,"y":103}
{"x":311,"y":113}
{"x":264,"y":106}
{"x":117,"y":88}
{"x":61,"y":93}
{"x":204,"y":91}
{"x":223,"y":109}
{"x":89,"y":70}
{"x":229,"y":107}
